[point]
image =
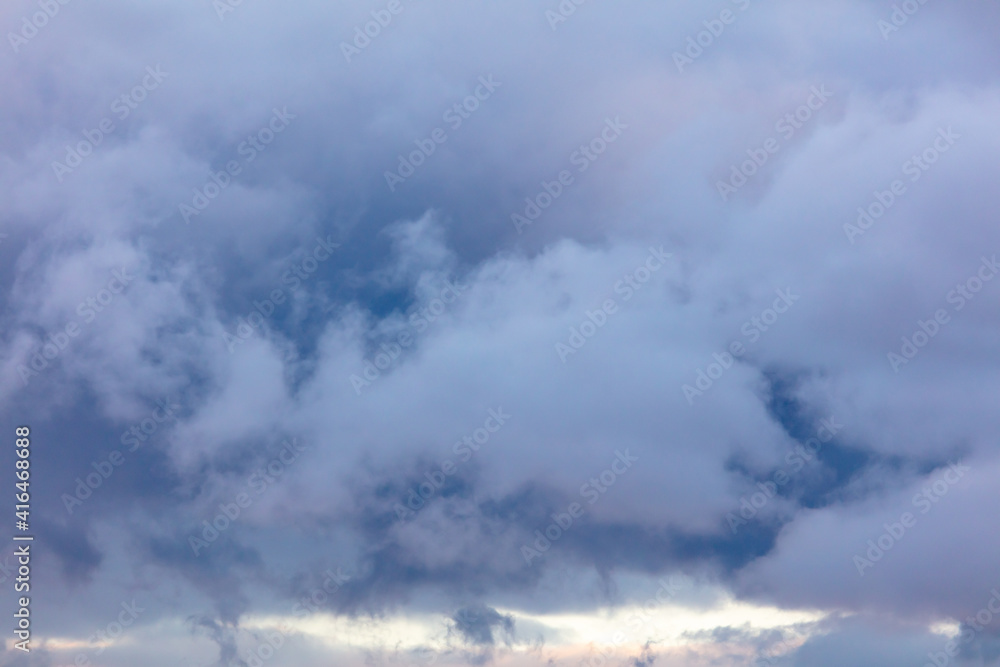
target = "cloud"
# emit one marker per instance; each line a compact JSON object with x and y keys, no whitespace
{"x":476,"y":624}
{"x":710,"y":338}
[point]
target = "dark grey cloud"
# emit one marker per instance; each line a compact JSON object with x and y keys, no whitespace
{"x":191,"y":285}
{"x":479,"y":625}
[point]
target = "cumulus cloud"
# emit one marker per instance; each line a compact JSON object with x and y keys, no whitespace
{"x":700,"y":289}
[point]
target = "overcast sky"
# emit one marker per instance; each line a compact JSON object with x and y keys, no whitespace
{"x":414,"y":332}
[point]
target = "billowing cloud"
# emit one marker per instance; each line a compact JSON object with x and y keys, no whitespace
{"x":409,"y":332}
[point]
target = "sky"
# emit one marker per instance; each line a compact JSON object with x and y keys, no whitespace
{"x":537,"y":333}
